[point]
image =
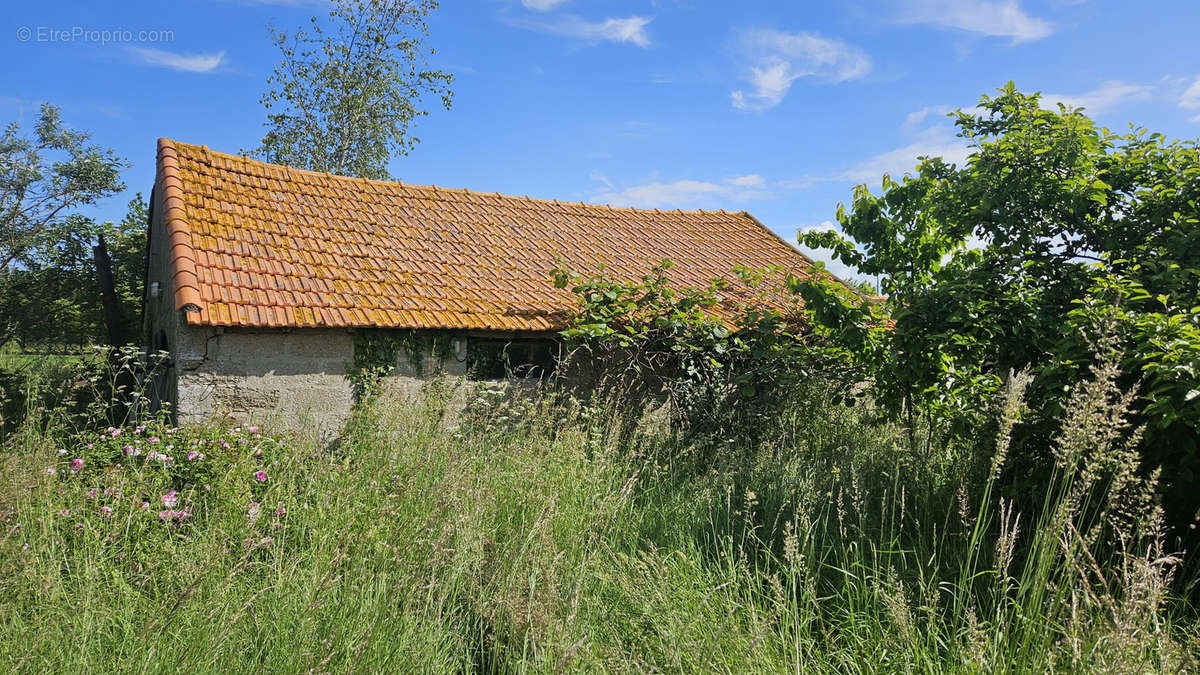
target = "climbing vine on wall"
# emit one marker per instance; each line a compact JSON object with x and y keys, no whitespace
{"x":377,"y":351}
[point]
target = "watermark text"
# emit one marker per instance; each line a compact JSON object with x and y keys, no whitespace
{"x":95,"y":35}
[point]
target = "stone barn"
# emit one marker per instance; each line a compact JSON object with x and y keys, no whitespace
{"x":263,"y":280}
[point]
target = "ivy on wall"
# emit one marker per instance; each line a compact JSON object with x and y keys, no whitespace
{"x":377,"y":351}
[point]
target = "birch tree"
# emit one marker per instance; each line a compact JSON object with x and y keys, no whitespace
{"x":346,"y":91}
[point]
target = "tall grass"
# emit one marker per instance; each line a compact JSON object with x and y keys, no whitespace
{"x":537,"y":536}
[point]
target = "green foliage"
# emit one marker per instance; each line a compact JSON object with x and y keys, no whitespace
{"x":185,"y":462}
{"x":31,"y":384}
{"x":375,"y":355}
{"x":344,"y":95}
{"x":377,"y":351}
{"x":67,"y":393}
{"x":546,"y":545}
{"x":45,"y":176}
{"x":53,"y":299}
{"x":649,"y":340}
{"x":1004,"y":263}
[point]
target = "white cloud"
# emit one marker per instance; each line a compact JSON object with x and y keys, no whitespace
{"x":838,"y":268}
{"x":686,"y":194}
{"x":1108,"y":95}
{"x":191,"y":63}
{"x":657,"y":194}
{"x":542,"y":5}
{"x":1191,"y":97}
{"x":824,"y":226}
{"x":601,"y":178}
{"x":771,"y":83}
{"x":996,"y":18}
{"x":935,"y":140}
{"x":1190,"y":100}
{"x":915,"y":118}
{"x":938,"y":141}
{"x":629,"y":29}
{"x":747,"y":180}
{"x":777,"y":59}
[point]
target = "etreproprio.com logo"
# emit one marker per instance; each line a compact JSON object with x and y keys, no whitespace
{"x":95,"y":35}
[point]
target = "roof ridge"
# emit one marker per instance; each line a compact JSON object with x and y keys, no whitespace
{"x":588,"y":205}
{"x":182,"y":258}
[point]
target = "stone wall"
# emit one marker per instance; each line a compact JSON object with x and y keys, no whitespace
{"x":288,"y":379}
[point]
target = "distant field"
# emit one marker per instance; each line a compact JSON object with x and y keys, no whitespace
{"x":12,"y":359}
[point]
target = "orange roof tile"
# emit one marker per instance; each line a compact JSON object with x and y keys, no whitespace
{"x":256,"y":244}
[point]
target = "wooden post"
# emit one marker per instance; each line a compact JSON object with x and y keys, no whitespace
{"x":108,"y":292}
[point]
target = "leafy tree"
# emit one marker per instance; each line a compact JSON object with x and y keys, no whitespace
{"x":345,"y":95}
{"x":724,"y":378}
{"x":45,"y":176}
{"x":1052,"y":228}
{"x":127,"y":247}
{"x":53,"y":299}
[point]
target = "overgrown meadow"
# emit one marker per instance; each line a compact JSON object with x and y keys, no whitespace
{"x":540,"y":534}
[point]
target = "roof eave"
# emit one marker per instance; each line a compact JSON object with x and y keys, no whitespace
{"x":180,"y":254}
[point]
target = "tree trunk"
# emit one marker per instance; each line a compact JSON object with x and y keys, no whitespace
{"x":108,"y":292}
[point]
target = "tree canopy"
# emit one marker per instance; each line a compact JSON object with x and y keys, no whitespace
{"x":44,"y":177}
{"x":1053,"y":233}
{"x":53,"y":299}
{"x":344,"y":95}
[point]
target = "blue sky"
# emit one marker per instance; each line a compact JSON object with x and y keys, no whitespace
{"x":774,"y":108}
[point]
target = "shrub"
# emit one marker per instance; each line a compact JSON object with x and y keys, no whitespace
{"x":722,"y":379}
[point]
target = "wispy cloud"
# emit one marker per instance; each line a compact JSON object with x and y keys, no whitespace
{"x":601,"y":178}
{"x":915,"y":118}
{"x":542,"y":5}
{"x":687,"y":194}
{"x":936,"y":141}
{"x":836,"y":267}
{"x":191,"y":63}
{"x":630,"y":29}
{"x":994,"y":18}
{"x":22,"y":104}
{"x":930,"y":134}
{"x":778,"y":58}
{"x":1190,"y":100}
{"x":1105,"y":97}
{"x":19,"y":102}
{"x":747,"y":180}
{"x":771,"y":82}
{"x":825,"y":226}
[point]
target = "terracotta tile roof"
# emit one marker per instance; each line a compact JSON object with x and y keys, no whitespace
{"x":255,"y":244}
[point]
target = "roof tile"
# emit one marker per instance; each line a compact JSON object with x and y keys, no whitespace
{"x":255,"y":244}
